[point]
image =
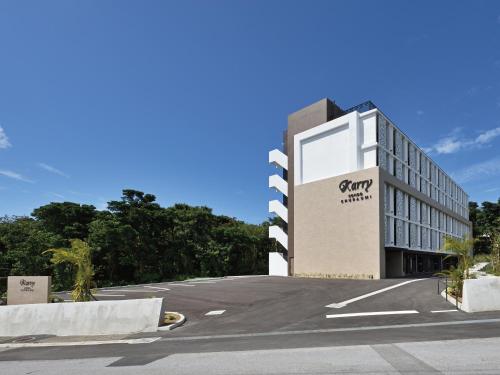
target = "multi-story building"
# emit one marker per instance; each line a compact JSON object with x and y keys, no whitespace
{"x":360,"y":199}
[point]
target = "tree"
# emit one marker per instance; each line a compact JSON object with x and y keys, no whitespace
{"x":473,"y":213}
{"x":79,"y":255}
{"x":113,"y":245}
{"x":135,"y":240}
{"x":67,"y":219}
{"x":140,"y":212}
{"x":495,"y":253}
{"x":462,"y":249}
{"x":485,"y":222}
{"x":22,"y":242}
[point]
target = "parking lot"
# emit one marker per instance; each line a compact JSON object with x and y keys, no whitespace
{"x":294,"y":322}
{"x":252,"y":304}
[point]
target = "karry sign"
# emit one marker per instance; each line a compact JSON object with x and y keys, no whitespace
{"x":28,"y":289}
{"x":358,"y":190}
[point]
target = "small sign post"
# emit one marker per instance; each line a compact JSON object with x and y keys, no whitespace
{"x":28,"y":289}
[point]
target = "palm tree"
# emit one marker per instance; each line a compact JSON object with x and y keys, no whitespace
{"x":79,"y":255}
{"x":461,"y":248}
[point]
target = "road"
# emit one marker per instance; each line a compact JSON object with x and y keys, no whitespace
{"x":283,"y":326}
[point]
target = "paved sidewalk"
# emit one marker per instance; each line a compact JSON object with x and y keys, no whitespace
{"x":472,"y":356}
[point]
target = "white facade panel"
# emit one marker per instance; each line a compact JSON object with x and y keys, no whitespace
{"x":325,"y":155}
{"x":343,"y":145}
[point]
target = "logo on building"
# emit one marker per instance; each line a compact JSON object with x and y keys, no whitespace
{"x":359,"y":190}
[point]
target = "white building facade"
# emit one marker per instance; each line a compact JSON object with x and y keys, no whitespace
{"x":360,"y":199}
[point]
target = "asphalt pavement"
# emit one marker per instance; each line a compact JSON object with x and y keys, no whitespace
{"x":250,"y":320}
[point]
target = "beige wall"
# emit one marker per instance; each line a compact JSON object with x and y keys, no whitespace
{"x":334,"y":239}
{"x":304,"y":119}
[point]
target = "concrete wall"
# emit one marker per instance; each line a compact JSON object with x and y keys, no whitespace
{"x":337,"y":238}
{"x":278,"y":265}
{"x":81,"y":318}
{"x":481,"y":294}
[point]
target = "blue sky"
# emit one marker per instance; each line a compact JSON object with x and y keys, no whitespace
{"x":185,"y":99}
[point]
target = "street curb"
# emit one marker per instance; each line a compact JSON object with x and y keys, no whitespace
{"x":146,"y":340}
{"x":452,"y":300}
{"x":173,"y":325}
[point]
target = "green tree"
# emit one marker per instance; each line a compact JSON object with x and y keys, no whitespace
{"x":461,"y":248}
{"x":79,"y":255}
{"x":113,"y":245}
{"x":67,"y":219}
{"x":135,"y":240}
{"x":140,"y":212}
{"x":495,"y":253}
{"x":22,"y":242}
{"x":485,"y":222}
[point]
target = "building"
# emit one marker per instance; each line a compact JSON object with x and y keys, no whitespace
{"x":360,"y":199}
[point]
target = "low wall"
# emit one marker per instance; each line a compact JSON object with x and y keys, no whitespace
{"x":81,"y":318}
{"x":481,"y":294}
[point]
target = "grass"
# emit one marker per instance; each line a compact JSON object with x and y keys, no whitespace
{"x":171,"y":317}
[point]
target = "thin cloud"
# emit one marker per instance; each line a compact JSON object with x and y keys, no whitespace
{"x":420,"y":112}
{"x":14,"y":175}
{"x":487,"y":136}
{"x":455,"y":142}
{"x":447,"y":146}
{"x":4,"y":140}
{"x":491,"y":190}
{"x":60,"y":196}
{"x":473,"y":91}
{"x":478,"y":171}
{"x":52,"y":169}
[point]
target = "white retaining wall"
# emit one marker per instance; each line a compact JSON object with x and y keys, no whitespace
{"x":81,"y":318}
{"x":278,"y":266}
{"x":481,"y":294}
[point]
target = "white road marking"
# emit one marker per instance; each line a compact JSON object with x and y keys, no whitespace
{"x":182,"y":284}
{"x":108,"y":295}
{"x":443,"y":311}
{"x":345,"y":303}
{"x":215,"y":312}
{"x":155,"y":287}
{"x":332,"y":330}
{"x":126,"y":291}
{"x":372,"y":314}
{"x":146,"y":340}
